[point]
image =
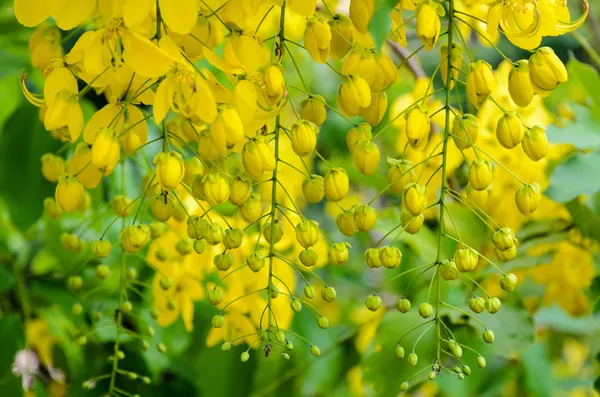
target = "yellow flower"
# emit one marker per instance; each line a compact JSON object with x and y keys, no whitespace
{"x":317,"y":39}
{"x":66,"y":14}
{"x":428,"y":23}
{"x":69,"y":192}
{"x":361,"y":12}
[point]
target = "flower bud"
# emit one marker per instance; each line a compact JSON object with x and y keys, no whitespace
{"x":403,"y":305}
{"x":317,"y":39}
{"x":448,"y":270}
{"x":307,"y":233}
{"x":481,"y":361}
{"x":69,"y":192}
{"x":480,"y":82}
{"x":328,"y":294}
{"x":336,"y":184}
{"x":193,"y":166}
{"x":342,"y":36}
{"x":101,"y":248}
{"x":162,"y":207}
{"x":428,"y":23}
{"x":465,"y":131}
{"x":373,"y":114}
{"x":366,"y":157}
{"x":252,"y":209}
{"x":169,"y":169}
{"x":304,"y":137}
{"x":507,"y":255}
{"x":313,"y":109}
{"x":240,"y":189}
{"x":404,"y":386}
{"x":207,"y":146}
{"x":199,"y":246}
{"x":121,"y":205}
{"x":273,"y":231}
{"x":214,"y":234}
{"x":488,"y":336}
{"x":184,"y":246}
{"x":508,"y":282}
{"x":477,"y":305}
{"x":415,"y":198}
{"x":466,"y":259}
{"x":411,"y":224}
{"x":519,"y":84}
{"x":157,"y":229}
{"x":477,"y":197}
{"x":504,"y":239}
{"x":492,"y":305}
{"x":400,"y":174}
{"x":134,"y":238}
{"x":217,"y":321}
{"x":51,"y":207}
{"x":509,"y":130}
{"x":354,"y":95}
{"x":216,"y":188}
{"x":346,"y":223}
{"x":480,"y":174}
{"x":274,"y":82}
{"x":372,"y":258}
{"x":338,"y":253}
{"x":296,"y":305}
{"x":233,"y":238}
{"x":309,"y":291}
{"x":355,"y":134}
{"x":456,"y":60}
{"x":313,"y":188}
{"x":106,"y":151}
{"x":527,"y":198}
{"x":196,"y":227}
{"x":364,"y":217}
{"x":255,"y":261}
{"x":412,"y":359}
{"x":425,"y":310}
{"x":546,"y":71}
{"x":390,"y":257}
{"x":418,"y":124}
{"x":535,"y":143}
{"x":257,"y":157}
{"x":315,"y":351}
{"x":323,"y":322}
{"x":215,"y":296}
{"x":52,"y":167}
{"x":223,"y":262}
{"x":373,"y":302}
{"x":361,"y":12}
{"x":308,"y":257}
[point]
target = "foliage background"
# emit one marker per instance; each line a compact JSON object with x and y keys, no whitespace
{"x":542,"y":350}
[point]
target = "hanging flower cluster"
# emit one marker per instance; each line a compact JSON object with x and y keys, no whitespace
{"x":198,"y":103}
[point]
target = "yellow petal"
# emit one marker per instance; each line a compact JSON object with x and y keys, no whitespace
{"x":180,"y":16}
{"x":102,"y":118}
{"x":220,"y":64}
{"x":31,"y":12}
{"x":207,"y":107}
{"x":163,"y":99}
{"x":144,"y":57}
{"x":72,"y":13}
{"x":136,"y":11}
{"x":60,"y":79}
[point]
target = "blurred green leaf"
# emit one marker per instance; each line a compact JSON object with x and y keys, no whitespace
{"x":13,"y":340}
{"x":7,"y":280}
{"x":576,"y":176}
{"x":586,"y":220}
{"x":539,"y":381}
{"x":22,"y":143}
{"x":583,"y":133}
{"x":381,"y":24}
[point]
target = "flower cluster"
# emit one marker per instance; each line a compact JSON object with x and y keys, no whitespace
{"x":199,"y":105}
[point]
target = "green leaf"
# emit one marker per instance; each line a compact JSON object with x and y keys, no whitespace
{"x":381,"y":23}
{"x":13,"y":340}
{"x":6,"y":280}
{"x":539,"y":381}
{"x":556,"y":319}
{"x":584,"y":77}
{"x":583,"y":133}
{"x":576,"y":176}
{"x":586,"y":219}
{"x":511,"y":340}
{"x":22,"y":143}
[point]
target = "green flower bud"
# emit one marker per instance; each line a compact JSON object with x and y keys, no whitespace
{"x":233,"y":238}
{"x":466,"y":370}
{"x":165,"y":283}
{"x":328,"y":294}
{"x":102,"y":271}
{"x":296,"y":305}
{"x":527,"y":198}
{"x":75,"y":283}
{"x":477,"y":305}
{"x":308,"y":257}
{"x":404,"y":386}
{"x":480,"y":174}
{"x":492,"y":305}
{"x":466,"y":259}
{"x":431,"y":375}
{"x":161,"y":347}
{"x":307,"y":233}
{"x":245,"y":356}
{"x":214,"y":234}
{"x":448,"y":270}
{"x":226,"y":346}
{"x":535,"y":143}
{"x":338,"y":253}
{"x":223,"y":262}
{"x":346,"y":223}
{"x":273,"y":232}
{"x":508,"y":282}
{"x":313,"y":189}
{"x":488,"y":336}
{"x":411,"y":224}
{"x":184,"y":247}
{"x":465,"y":131}
{"x":481,"y":361}
{"x":240,"y":189}
{"x":218,"y":321}
{"x":412,"y":359}
{"x":215,"y":296}
{"x":372,"y":258}
{"x":323,"y":322}
{"x":77,"y":309}
{"x":373,"y":302}
{"x":425,"y":310}
{"x":504,"y":239}
{"x":403,"y":305}
{"x":255,"y":261}
{"x":400,"y":174}
{"x":199,"y":246}
{"x":309,"y":291}
{"x":400,"y":352}
{"x":315,"y":351}
{"x":507,"y":255}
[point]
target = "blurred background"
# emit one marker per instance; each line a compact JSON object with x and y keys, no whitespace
{"x":547,"y":334}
